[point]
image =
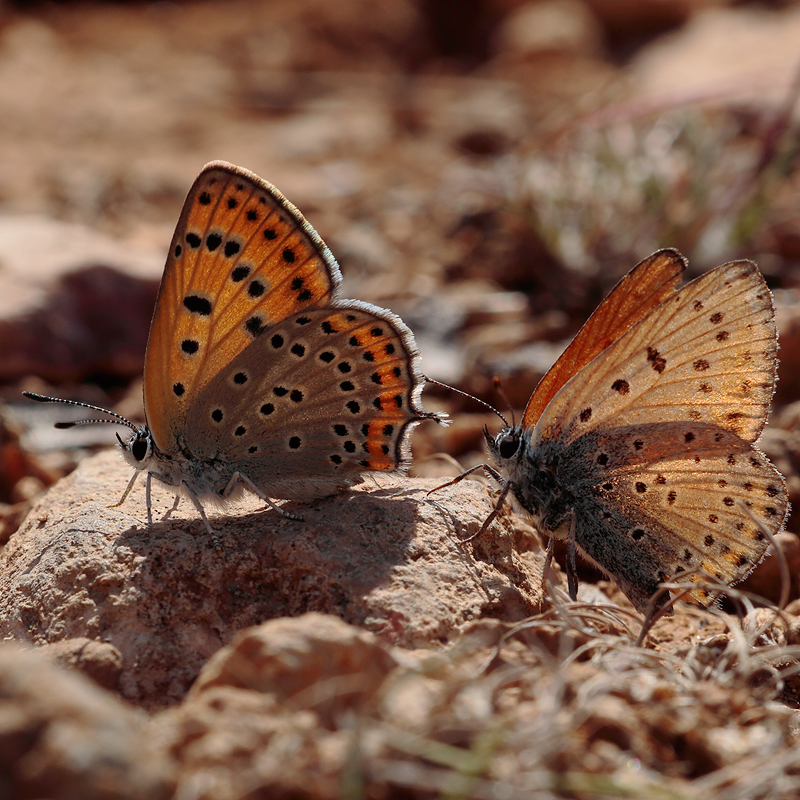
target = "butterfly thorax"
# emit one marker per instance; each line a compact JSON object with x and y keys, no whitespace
{"x":206,"y":477}
{"x":533,"y":472}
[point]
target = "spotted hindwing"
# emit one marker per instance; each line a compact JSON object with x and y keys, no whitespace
{"x":321,"y":397}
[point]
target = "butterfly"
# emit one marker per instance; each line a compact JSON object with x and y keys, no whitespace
{"x":638,"y":446}
{"x":257,"y":376}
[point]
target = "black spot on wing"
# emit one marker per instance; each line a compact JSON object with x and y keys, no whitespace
{"x":197,"y":305}
{"x":657,"y":361}
{"x":620,"y":385}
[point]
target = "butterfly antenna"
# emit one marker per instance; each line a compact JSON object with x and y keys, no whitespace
{"x":498,"y":387}
{"x":471,"y":397}
{"x":118,"y":419}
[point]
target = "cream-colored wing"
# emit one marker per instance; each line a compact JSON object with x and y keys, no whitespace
{"x":707,"y":354}
{"x":649,"y":283}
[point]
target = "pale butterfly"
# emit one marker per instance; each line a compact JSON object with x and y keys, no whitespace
{"x":257,"y":376}
{"x":637,"y":447}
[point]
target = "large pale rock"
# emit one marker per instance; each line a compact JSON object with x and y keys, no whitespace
{"x":383,"y":557}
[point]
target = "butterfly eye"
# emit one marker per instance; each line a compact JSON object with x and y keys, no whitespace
{"x":508,"y":447}
{"x":140,"y":446}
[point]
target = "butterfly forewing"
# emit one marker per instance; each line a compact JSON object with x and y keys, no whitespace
{"x":649,"y":283}
{"x":327,"y":393}
{"x":242,"y":259}
{"x":707,"y":354}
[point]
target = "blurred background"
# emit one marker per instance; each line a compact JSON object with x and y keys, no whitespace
{"x":486,"y":168}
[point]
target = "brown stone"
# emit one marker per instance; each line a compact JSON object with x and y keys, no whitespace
{"x":549,"y":26}
{"x":766,"y":581}
{"x":271,"y":709}
{"x":748,"y":55}
{"x":314,"y":660}
{"x":384,"y":557}
{"x":60,"y":312}
{"x":788,"y":321}
{"x":63,"y":738}
{"x":100,"y":661}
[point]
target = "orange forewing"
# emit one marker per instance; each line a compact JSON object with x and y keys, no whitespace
{"x":243,"y":258}
{"x":649,"y":283}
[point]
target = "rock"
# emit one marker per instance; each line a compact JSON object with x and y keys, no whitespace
{"x":303,"y":706}
{"x":63,"y":738}
{"x":83,"y":329}
{"x":383,"y":557}
{"x":743,"y":54}
{"x":289,"y":657}
{"x":629,"y":22}
{"x":38,"y":251}
{"x":100,"y":661}
{"x":272,"y":709}
{"x":765,"y":580}
{"x":782,"y":446}
{"x":764,"y":627}
{"x":22,"y":478}
{"x":11,"y":517}
{"x":551,"y":26}
{"x":18,"y":466}
{"x":787,"y":317}
{"x":60,"y":312}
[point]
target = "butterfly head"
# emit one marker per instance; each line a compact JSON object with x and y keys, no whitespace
{"x":506,"y":445}
{"x":137,"y":449}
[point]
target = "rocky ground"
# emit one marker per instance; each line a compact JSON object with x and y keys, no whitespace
{"x":487,"y":170}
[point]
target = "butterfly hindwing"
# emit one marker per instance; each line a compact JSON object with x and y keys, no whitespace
{"x":318,"y":398}
{"x":242,"y":259}
{"x":663,"y":499}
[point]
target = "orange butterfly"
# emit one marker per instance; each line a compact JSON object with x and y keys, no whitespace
{"x":637,"y":447}
{"x":257,"y":376}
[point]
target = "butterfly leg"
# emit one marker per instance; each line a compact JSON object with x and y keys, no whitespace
{"x":200,"y":510}
{"x":485,"y":467}
{"x":174,"y":506}
{"x":150,"y":505}
{"x":148,"y":501}
{"x":127,"y":490}
{"x":507,"y":486}
{"x":548,"y":560}
{"x":495,"y":511}
{"x":238,"y":476}
{"x":572,"y":570}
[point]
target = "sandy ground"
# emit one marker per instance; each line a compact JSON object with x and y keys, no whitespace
{"x":487,"y":170}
